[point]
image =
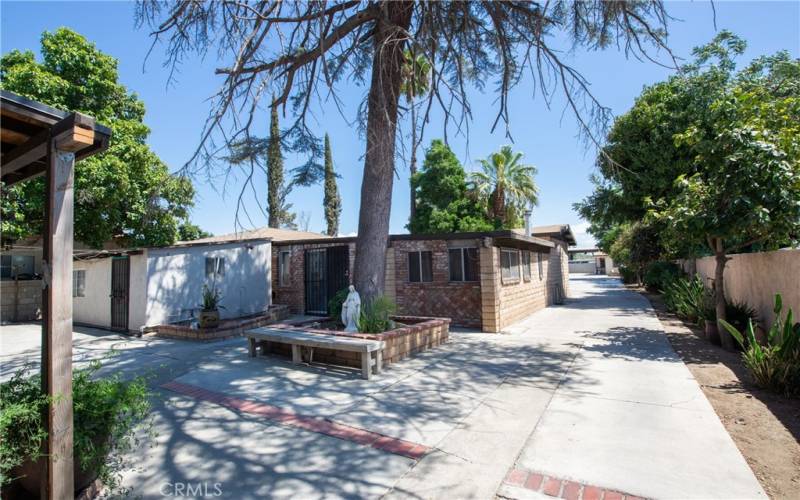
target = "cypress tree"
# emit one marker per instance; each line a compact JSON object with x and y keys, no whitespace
{"x":275,"y":172}
{"x":332,"y":202}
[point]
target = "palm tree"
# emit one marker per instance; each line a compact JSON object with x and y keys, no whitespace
{"x":507,"y":185}
{"x":416,"y":83}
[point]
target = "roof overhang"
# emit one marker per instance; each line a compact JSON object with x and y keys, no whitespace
{"x":28,"y":127}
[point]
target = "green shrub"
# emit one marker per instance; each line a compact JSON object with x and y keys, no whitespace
{"x":627,"y":275}
{"x":375,"y":316}
{"x":335,"y":305}
{"x":660,"y":273}
{"x":688,"y":298}
{"x":774,"y":366}
{"x":103,"y":408}
{"x":739,"y":314}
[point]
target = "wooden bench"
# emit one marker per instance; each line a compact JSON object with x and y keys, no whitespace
{"x":298,"y":339}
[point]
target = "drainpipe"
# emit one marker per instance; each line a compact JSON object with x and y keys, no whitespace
{"x":527,"y":215}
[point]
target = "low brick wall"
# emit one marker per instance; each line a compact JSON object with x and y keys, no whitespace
{"x":20,"y":300}
{"x":227,"y":328}
{"x":419,"y":334}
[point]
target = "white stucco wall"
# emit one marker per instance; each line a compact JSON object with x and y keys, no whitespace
{"x":94,"y":308}
{"x":175,"y":278}
{"x":582,"y":267}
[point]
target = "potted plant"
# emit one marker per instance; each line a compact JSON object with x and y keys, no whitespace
{"x":107,"y":413}
{"x":209,"y":315}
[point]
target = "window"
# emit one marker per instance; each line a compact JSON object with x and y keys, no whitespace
{"x":420,"y":266}
{"x":509,"y":263}
{"x":539,"y":259}
{"x":79,"y":283}
{"x":526,"y":265}
{"x":464,"y":264}
{"x":283,"y":267}
{"x":215,"y":266}
{"x":14,"y":265}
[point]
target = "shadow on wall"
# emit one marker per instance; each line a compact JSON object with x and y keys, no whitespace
{"x":176,"y":277}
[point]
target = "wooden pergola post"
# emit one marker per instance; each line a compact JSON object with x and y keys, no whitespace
{"x":58,"y":482}
{"x":40,"y":140}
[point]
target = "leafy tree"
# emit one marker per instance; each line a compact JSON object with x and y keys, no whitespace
{"x":416,"y":83}
{"x":294,"y":48}
{"x":126,"y":193}
{"x":507,"y":185}
{"x":444,"y":201}
{"x":635,"y":246}
{"x":191,"y":232}
{"x":712,"y":156}
{"x":332,"y":201}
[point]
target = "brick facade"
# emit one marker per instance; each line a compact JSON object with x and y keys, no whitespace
{"x":442,"y":298}
{"x":488,"y":303}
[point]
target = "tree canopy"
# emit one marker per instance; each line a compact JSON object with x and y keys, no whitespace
{"x":444,"y":202}
{"x":331,"y":202}
{"x":507,"y":185}
{"x":125,"y":194}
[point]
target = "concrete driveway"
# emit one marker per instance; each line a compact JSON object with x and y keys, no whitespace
{"x":575,"y":400}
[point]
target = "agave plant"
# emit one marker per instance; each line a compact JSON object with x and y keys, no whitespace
{"x":774,"y":366}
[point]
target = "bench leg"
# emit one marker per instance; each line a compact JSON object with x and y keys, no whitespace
{"x":264,"y":347}
{"x":378,"y":360}
{"x":296,"y":357}
{"x":366,"y":369}
{"x":251,"y":347}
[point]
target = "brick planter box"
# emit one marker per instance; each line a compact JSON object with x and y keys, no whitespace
{"x":418,"y":334}
{"x":227,"y":328}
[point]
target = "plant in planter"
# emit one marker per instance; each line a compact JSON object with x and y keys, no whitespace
{"x":375,"y":316}
{"x":107,"y":414}
{"x":335,"y":305}
{"x":209,"y":315}
{"x":774,"y":366}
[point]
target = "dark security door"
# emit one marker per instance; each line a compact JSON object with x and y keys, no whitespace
{"x":120,"y":284}
{"x":315,"y":282}
{"x":338,"y":267}
{"x":327,"y":270}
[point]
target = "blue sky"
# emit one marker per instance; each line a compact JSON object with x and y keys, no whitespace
{"x":547,"y":137}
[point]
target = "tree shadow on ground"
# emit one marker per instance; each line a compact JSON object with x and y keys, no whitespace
{"x":689,"y":343}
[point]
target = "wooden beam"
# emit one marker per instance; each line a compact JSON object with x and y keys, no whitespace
{"x":23,"y":155}
{"x":58,"y":480}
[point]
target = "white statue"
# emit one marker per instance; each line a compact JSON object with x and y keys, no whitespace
{"x":351,"y":310}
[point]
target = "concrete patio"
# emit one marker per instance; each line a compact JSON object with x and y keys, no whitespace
{"x":589,"y":392}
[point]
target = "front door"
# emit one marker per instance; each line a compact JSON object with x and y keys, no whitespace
{"x":120,"y":281}
{"x":326,"y":272}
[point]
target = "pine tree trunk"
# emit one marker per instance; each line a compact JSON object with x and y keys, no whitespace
{"x":719,"y":294}
{"x":376,"y":186}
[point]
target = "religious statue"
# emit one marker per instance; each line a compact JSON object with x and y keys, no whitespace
{"x":351,"y":310}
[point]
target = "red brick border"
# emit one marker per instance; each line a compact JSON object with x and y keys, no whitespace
{"x":562,"y":488}
{"x":289,"y":418}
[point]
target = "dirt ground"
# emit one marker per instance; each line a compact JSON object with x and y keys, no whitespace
{"x":765,"y":426}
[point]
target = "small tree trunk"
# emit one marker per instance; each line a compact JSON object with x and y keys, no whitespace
{"x":719,"y":294}
{"x":376,"y":186}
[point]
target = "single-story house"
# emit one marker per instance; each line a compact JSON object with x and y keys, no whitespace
{"x":591,"y":261}
{"x":486,"y":280}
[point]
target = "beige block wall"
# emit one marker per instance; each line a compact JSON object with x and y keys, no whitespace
{"x":20,"y":300}
{"x":755,"y":278}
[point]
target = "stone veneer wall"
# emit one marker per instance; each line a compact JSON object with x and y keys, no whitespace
{"x":503,"y":304}
{"x":228,"y":328}
{"x":418,"y":335}
{"x":20,"y":300}
{"x":558,"y":275}
{"x":460,"y":301}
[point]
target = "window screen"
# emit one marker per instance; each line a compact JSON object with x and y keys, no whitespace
{"x":509,"y":262}
{"x":464,"y":264}
{"x":215,"y":266}
{"x":420,"y":266}
{"x":79,"y":283}
{"x":526,"y":265}
{"x":284,"y":268}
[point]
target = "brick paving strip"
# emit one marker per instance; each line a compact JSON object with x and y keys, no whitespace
{"x":561,"y":488}
{"x":319,"y":425}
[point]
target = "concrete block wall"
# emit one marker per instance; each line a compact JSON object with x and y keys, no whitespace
{"x":20,"y":300}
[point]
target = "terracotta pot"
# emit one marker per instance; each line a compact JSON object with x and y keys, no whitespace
{"x":209,"y":319}
{"x":29,"y":475}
